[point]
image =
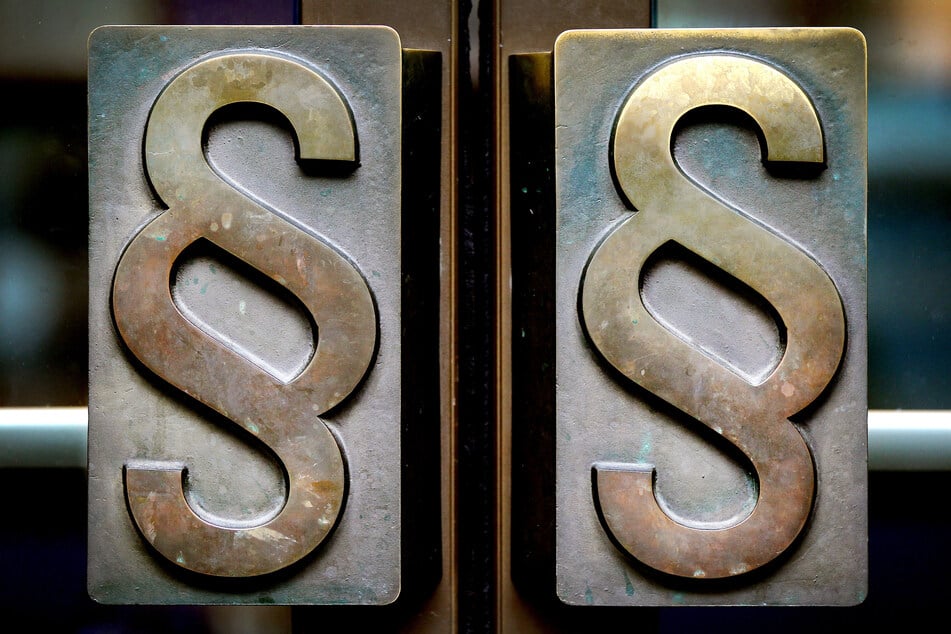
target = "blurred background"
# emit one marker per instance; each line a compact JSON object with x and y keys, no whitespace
{"x":43,"y":250}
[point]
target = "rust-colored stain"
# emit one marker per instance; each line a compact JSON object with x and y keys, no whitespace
{"x":325,"y":487}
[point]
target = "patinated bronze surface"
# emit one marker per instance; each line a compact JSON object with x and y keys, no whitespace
{"x":710,"y":446}
{"x":752,"y":416}
{"x":282,"y":415}
{"x":217,"y":450}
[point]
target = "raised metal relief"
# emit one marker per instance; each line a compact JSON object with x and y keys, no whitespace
{"x":754,"y":417}
{"x":289,"y":478}
{"x":283,"y":415}
{"x":655,"y":396}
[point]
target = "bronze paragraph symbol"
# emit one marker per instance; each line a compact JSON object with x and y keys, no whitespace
{"x":282,"y":415}
{"x":754,"y":417}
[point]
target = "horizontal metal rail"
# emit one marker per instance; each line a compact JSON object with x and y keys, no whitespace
{"x":41,"y":437}
{"x":909,"y":440}
{"x":38,"y":437}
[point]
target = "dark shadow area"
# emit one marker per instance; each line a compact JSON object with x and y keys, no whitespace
{"x":421,"y":416}
{"x":476,"y":305}
{"x":532,"y":187}
{"x":43,"y":244}
{"x":44,"y":564}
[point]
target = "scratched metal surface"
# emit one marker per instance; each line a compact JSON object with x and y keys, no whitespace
{"x":602,"y":417}
{"x":135,"y":415}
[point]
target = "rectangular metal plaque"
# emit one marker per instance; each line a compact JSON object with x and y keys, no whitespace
{"x":245,"y":362}
{"x":710,"y":301}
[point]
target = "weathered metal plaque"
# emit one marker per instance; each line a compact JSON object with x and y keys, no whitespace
{"x":711,"y":325}
{"x":245,"y":403}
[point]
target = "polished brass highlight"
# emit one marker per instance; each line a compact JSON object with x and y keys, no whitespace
{"x":284,"y":416}
{"x":752,"y":416}
{"x":710,"y":397}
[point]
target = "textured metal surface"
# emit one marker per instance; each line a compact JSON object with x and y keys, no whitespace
{"x":282,"y":414}
{"x":243,"y":457}
{"x":680,"y":477}
{"x":750,"y":413}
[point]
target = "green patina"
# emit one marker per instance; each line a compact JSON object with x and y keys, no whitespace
{"x":628,"y":586}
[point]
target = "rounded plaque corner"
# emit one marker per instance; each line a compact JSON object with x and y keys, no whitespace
{"x":393,"y":595}
{"x":861,"y":596}
{"x":387,"y":36}
{"x":566,"y":38}
{"x":92,"y":40}
{"x":394,"y":36}
{"x":97,"y":594}
{"x":565,"y":596}
{"x":856,"y":36}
